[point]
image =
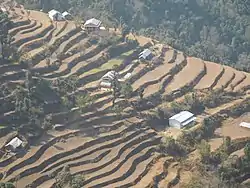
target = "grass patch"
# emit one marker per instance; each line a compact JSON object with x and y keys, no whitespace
{"x":109,"y":65}
{"x":105,"y":66}
{"x":128,"y":53}
{"x":2,"y":126}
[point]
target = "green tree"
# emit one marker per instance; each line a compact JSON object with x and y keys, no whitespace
{"x":204,"y":150}
{"x":5,"y":25}
{"x":64,"y":177}
{"x":77,"y":181}
{"x":78,"y":21}
{"x":227,"y":143}
{"x":118,"y":110}
{"x":126,"y":90}
{"x":84,"y":101}
{"x":6,"y":185}
{"x":116,"y":88}
{"x":141,"y":93}
{"x":47,"y":122}
{"x":125,"y":31}
{"x":247,"y":151}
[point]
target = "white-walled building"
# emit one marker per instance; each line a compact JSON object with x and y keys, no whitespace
{"x":66,"y":15}
{"x":92,"y":24}
{"x":181,"y":119}
{"x":14,"y":144}
{"x":245,"y":125}
{"x":106,"y":80}
{"x":55,"y":15}
{"x":145,"y":54}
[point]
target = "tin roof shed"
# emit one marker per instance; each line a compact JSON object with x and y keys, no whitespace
{"x":14,"y":143}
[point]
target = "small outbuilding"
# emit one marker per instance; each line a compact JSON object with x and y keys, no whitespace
{"x":55,"y":15}
{"x":182,"y":119}
{"x":59,"y":127}
{"x":106,"y":80}
{"x":245,"y":125}
{"x":92,"y":24}
{"x":146,"y":54}
{"x":66,"y":15}
{"x":3,"y":9}
{"x":14,"y":144}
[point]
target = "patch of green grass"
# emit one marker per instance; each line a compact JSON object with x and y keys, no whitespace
{"x":105,"y":66}
{"x":109,"y":65}
{"x":128,"y":53}
{"x":92,"y":71}
{"x":2,"y":126}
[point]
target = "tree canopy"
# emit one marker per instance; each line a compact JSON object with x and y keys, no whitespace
{"x":5,"y":25}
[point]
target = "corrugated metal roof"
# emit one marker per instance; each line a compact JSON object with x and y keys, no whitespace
{"x":188,"y":121}
{"x":53,"y":12}
{"x":244,"y":124}
{"x":15,"y":143}
{"x":110,"y":75}
{"x":145,"y":53}
{"x":93,"y":22}
{"x":65,"y":13}
{"x":105,"y":84}
{"x":182,"y":116}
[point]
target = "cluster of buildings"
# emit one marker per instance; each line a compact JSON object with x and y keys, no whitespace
{"x":92,"y":24}
{"x":55,"y":15}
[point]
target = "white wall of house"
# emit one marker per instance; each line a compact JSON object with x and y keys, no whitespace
{"x":174,"y":123}
{"x":55,"y":15}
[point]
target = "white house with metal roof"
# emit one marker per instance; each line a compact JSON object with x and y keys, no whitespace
{"x":55,"y":15}
{"x":145,"y":54}
{"x":92,"y":23}
{"x":181,"y":119}
{"x":66,"y":15}
{"x":245,"y":125}
{"x":14,"y":144}
{"x":109,"y":76}
{"x":106,"y":80}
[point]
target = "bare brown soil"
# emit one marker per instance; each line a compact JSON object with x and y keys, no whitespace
{"x":213,"y":70}
{"x":190,"y":71}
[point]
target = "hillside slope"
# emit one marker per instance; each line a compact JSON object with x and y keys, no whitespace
{"x":110,"y":147}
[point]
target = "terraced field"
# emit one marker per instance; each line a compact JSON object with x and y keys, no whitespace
{"x":109,"y":150}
